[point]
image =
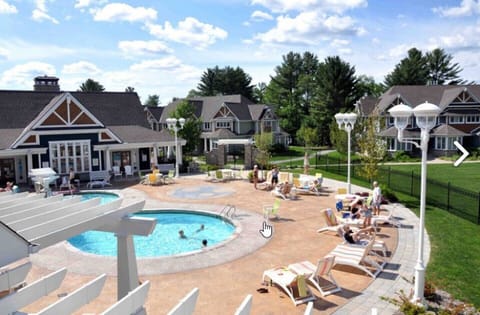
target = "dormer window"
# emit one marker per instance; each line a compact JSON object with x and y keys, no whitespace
{"x":223,"y":124}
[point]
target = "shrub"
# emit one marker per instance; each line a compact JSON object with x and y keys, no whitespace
{"x":388,"y":194}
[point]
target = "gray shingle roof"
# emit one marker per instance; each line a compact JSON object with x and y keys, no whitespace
{"x":8,"y":136}
{"x":447,"y":130}
{"x":134,"y":134}
{"x":366,"y":105}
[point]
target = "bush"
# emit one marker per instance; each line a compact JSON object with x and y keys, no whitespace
{"x":388,"y":194}
{"x":278,"y":148}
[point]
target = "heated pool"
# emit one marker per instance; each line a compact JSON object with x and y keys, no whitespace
{"x":165,"y":240}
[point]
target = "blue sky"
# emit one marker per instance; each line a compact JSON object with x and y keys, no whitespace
{"x":163,"y":47}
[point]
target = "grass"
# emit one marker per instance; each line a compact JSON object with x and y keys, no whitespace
{"x":467,"y":175}
{"x":455,"y":242}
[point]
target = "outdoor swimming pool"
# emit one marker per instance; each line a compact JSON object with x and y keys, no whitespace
{"x":165,"y":240}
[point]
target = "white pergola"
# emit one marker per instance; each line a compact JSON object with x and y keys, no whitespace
{"x":30,"y":222}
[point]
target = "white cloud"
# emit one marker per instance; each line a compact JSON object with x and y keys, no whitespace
{"x":466,"y":8}
{"x":400,"y":51}
{"x":83,"y":3}
{"x":139,"y":47}
{"x":190,"y":32}
{"x":123,"y":12}
{"x":337,"y":43}
{"x":260,"y":16}
{"x":167,"y":63}
{"x":282,"y":6}
{"x":466,"y":38}
{"x":6,"y":8}
{"x":309,"y":28}
{"x":22,"y":75}
{"x":3,"y":53}
{"x":81,"y":67}
{"x":40,"y":13}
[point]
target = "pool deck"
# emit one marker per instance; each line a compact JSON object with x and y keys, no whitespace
{"x":226,"y":274}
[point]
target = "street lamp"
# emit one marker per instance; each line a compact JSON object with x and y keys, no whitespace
{"x":175,"y":125}
{"x":426,"y":118}
{"x":346,"y":121}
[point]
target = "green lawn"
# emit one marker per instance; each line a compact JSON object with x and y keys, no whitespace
{"x":467,"y":175}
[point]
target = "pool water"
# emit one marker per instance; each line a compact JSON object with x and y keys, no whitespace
{"x":104,"y":197}
{"x":165,"y":240}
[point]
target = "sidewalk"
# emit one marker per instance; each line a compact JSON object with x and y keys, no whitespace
{"x":400,"y":267}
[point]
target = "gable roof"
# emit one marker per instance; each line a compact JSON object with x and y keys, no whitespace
{"x":413,"y":95}
{"x":366,"y":105}
{"x":156,"y":111}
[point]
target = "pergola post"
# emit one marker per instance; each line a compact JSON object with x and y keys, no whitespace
{"x":127,"y":272}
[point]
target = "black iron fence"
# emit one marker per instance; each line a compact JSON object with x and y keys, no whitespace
{"x":457,"y":200}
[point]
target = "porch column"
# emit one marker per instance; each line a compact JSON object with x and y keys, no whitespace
{"x":108,"y":160}
{"x":205,"y":143}
{"x":155,"y":154}
{"x":29,"y":162}
{"x":169,"y":151}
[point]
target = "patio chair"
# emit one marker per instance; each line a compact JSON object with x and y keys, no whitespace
{"x":116,"y":171}
{"x":309,"y":189}
{"x":334,"y":223}
{"x":358,"y":257}
{"x":316,"y":274}
{"x":342,"y":191}
{"x":65,"y":184}
{"x":294,"y":285}
{"x":271,"y":210}
{"x":170,"y":177}
{"x":128,"y":170}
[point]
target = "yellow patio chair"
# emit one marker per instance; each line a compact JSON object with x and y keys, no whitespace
{"x":271,"y":209}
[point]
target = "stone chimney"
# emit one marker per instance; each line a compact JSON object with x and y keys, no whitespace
{"x":46,"y":83}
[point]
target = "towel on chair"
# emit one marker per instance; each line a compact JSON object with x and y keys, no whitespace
{"x":302,"y":286}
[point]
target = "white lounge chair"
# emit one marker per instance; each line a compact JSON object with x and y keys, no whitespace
{"x":358,"y":257}
{"x":310,"y":188}
{"x":294,"y":285}
{"x":116,"y":171}
{"x":388,"y":218}
{"x":316,"y":273}
{"x":128,"y":170}
{"x":334,"y":222}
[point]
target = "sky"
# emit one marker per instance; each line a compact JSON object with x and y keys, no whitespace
{"x":163,"y":47}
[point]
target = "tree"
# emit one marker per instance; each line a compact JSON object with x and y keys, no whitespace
{"x":91,"y":86}
{"x":259,"y":93}
{"x":263,"y":142}
{"x":130,"y":89}
{"x":226,"y":81}
{"x":307,"y":136}
{"x":152,"y":100}
{"x":411,"y":70}
{"x":372,"y":149}
{"x":367,"y":86}
{"x":441,"y":69}
{"x":336,"y":93}
{"x":192,"y":129}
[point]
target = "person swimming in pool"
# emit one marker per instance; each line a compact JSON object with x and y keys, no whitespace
{"x":202,"y":227}
{"x":204,"y":243}
{"x":181,"y":234}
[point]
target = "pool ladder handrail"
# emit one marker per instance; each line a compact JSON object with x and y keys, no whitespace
{"x":228,"y":211}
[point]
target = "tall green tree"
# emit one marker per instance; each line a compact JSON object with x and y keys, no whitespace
{"x":412,"y":70}
{"x":336,"y":93}
{"x":367,"y":86}
{"x":192,"y":129}
{"x":152,"y":100}
{"x":441,"y":68}
{"x":91,"y":86}
{"x":284,"y":93}
{"x":226,"y":81}
{"x":259,"y":93}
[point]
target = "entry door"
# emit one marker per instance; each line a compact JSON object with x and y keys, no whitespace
{"x":7,"y":171}
{"x":144,"y":158}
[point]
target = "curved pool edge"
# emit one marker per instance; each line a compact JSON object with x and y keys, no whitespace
{"x":246,"y":242}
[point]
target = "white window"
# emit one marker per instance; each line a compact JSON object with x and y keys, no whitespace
{"x":70,"y":154}
{"x":446,"y":143}
{"x":223,"y":124}
{"x":473,"y":119}
{"x":394,"y":145}
{"x":456,"y":119}
{"x":206,"y":126}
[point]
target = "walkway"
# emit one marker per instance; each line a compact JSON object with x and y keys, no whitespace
{"x":398,"y":270}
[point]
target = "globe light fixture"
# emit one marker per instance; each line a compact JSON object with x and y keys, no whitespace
{"x":346,"y":121}
{"x":175,"y":125}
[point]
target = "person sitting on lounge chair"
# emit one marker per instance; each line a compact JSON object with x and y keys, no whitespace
{"x":8,"y":187}
{"x":354,"y":237}
{"x":286,"y":188}
{"x":314,"y":186}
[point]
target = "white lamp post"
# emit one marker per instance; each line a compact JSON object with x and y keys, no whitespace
{"x":175,"y":125}
{"x":347,"y":122}
{"x":426,"y":117}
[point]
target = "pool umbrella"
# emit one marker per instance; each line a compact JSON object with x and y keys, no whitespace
{"x":306,"y":164}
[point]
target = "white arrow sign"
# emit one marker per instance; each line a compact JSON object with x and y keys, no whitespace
{"x":463,"y":157}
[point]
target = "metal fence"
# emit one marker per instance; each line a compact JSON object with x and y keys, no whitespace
{"x":457,"y":200}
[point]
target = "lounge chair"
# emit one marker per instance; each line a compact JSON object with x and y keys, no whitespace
{"x":294,"y":285}
{"x":334,"y":222}
{"x":271,"y":209}
{"x":316,"y":273}
{"x":388,"y":218}
{"x":308,"y":189}
{"x":65,"y":184}
{"x":358,"y":257}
